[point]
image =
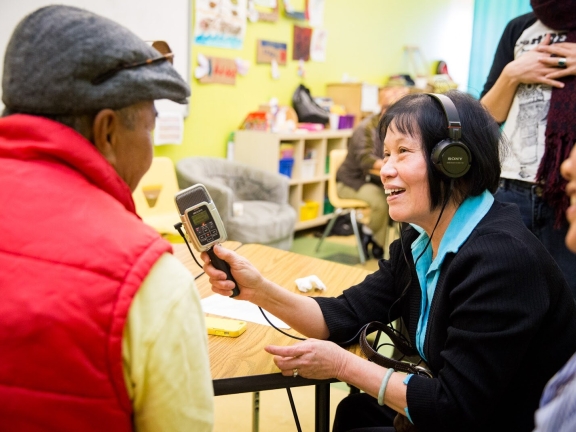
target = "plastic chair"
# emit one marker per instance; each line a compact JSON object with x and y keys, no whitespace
{"x":341,"y":205}
{"x":154,"y":197}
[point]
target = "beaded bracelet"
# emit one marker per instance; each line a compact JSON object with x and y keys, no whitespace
{"x":383,"y":386}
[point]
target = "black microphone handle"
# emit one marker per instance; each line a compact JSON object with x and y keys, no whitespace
{"x":223,"y":265}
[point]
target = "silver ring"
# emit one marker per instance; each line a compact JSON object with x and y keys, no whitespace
{"x":295,"y":372}
{"x":562,"y":62}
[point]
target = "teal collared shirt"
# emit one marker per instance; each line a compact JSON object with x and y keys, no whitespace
{"x":467,"y":216}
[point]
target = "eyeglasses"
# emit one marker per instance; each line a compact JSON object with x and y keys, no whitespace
{"x":161,"y":46}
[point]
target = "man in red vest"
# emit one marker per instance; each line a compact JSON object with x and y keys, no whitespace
{"x":101,"y":328}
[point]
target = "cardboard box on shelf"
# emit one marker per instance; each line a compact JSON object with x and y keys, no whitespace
{"x":359,"y":99}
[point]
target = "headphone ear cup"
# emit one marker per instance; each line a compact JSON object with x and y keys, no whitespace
{"x":451,"y":158}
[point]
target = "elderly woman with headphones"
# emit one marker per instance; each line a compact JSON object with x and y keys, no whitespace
{"x":482,"y":301}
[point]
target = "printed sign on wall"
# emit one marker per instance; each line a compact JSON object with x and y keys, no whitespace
{"x":267,"y":51}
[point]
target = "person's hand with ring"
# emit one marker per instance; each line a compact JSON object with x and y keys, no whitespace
{"x":313,"y":358}
{"x":562,"y":57}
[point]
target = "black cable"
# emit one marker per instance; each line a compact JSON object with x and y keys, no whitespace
{"x":405,"y":290}
{"x":178,"y":227}
{"x":281,"y":331}
{"x":293,"y":409}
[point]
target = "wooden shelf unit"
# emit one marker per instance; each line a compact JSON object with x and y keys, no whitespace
{"x":262,"y":150}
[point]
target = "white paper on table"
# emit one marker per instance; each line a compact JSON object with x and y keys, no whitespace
{"x":238,"y":309}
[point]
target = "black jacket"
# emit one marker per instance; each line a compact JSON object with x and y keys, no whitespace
{"x":502,"y":322}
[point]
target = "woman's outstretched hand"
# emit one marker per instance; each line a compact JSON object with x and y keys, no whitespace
{"x":247,"y":277}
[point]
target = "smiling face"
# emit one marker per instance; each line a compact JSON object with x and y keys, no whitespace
{"x":405,"y":178}
{"x":568,"y":170}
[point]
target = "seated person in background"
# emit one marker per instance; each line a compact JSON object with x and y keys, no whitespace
{"x":557,"y":412}
{"x":101,"y":326}
{"x":354,"y":181}
{"x":482,"y":300}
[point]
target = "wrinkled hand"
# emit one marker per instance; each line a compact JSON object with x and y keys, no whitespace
{"x":565,"y":50}
{"x":246,"y":275}
{"x":314,"y":359}
{"x":532,"y":67}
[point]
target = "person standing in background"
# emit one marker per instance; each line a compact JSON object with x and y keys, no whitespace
{"x":531,"y":87}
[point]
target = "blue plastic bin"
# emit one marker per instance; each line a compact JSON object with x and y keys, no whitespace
{"x":286,"y":167}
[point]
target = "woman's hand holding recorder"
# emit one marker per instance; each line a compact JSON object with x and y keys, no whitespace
{"x":249,"y":280}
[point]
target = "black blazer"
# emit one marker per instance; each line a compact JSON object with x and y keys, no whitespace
{"x":502,"y":322}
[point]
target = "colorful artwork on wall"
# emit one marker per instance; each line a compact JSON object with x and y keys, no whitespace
{"x":216,"y":70}
{"x":295,"y":9}
{"x":263,"y":10}
{"x":318,"y":45}
{"x":302,"y":37}
{"x":266,"y":51}
{"x":220,"y":23}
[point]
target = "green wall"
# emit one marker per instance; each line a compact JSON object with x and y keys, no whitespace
{"x":365,"y":41}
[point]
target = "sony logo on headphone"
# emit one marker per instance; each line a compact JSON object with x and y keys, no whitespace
{"x":452,"y":158}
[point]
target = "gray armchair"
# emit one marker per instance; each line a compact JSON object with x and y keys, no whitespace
{"x":262,"y":214}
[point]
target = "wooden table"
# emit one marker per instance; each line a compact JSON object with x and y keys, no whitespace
{"x":240,"y":365}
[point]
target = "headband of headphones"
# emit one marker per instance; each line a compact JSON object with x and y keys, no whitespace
{"x":451,"y":157}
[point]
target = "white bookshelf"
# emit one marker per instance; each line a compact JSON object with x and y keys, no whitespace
{"x":262,"y":150}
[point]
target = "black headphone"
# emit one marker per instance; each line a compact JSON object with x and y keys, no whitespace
{"x":451,"y":156}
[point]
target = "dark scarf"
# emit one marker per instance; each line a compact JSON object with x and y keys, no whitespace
{"x":561,"y":122}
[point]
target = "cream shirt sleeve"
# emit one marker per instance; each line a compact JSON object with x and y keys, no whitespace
{"x":165,"y":353}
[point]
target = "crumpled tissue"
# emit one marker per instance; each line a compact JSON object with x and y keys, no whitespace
{"x":308,"y":283}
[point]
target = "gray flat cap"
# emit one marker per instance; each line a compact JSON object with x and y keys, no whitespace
{"x":56,"y":52}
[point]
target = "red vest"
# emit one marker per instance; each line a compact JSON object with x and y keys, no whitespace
{"x":73,"y":253}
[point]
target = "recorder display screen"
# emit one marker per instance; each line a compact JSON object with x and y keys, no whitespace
{"x":201,"y":217}
{"x":203,"y":225}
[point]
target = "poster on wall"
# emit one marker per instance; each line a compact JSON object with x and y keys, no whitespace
{"x":295,"y":9}
{"x":266,"y":51}
{"x":216,"y":70}
{"x":302,"y":37}
{"x":315,"y":12}
{"x":220,"y":23}
{"x":263,"y":10}
{"x":318,"y":45}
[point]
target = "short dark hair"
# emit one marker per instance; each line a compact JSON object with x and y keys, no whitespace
{"x":421,"y":116}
